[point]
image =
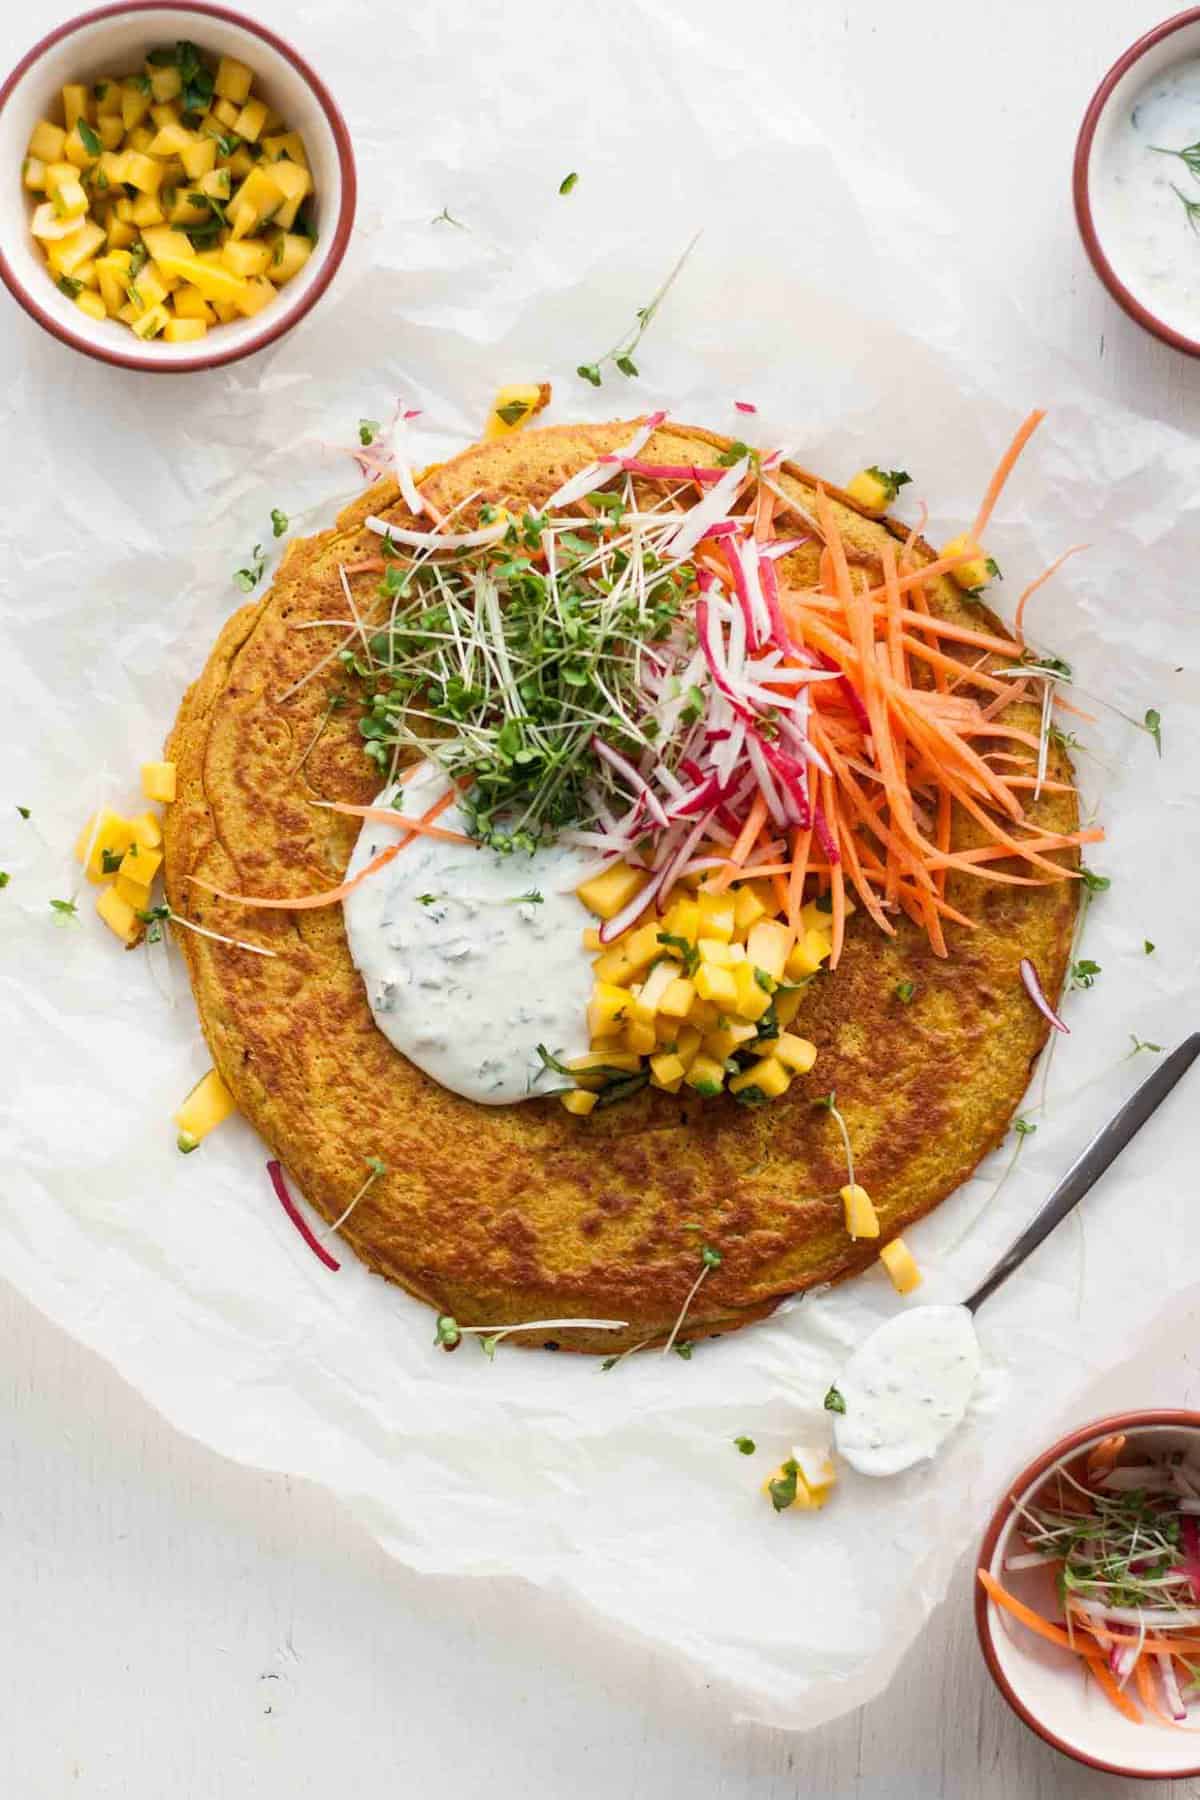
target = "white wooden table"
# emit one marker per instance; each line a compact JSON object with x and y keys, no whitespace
{"x":175,"y":1625}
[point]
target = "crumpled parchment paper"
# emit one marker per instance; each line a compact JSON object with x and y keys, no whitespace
{"x":814,"y":293}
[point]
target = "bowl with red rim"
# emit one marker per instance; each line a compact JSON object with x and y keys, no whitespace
{"x":113,"y":40}
{"x":1143,"y":292}
{"x":1045,"y":1685}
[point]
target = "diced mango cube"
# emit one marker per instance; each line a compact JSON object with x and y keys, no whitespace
{"x":898,"y":1260}
{"x":676,"y":1002}
{"x":258,"y":197}
{"x":871,"y":490}
{"x":246,"y":259}
{"x":976,"y":571}
{"x":602,"y":1061}
{"x":70,"y":201}
{"x":184,"y":331}
{"x":750,"y":998}
{"x":723,"y":1040}
{"x":706,"y":1075}
{"x":768,"y":943}
{"x":158,"y":781}
{"x":787,"y":1004}
{"x":143,"y":173}
{"x":216,"y":284}
{"x":165,"y":112}
{"x":250,"y":121}
{"x":76,"y":104}
{"x":606,"y":894}
{"x":807,"y":954}
{"x":795,"y":1053}
{"x":170,"y":140}
{"x":683,"y":918}
{"x":199,"y":157}
{"x":106,"y":95}
{"x":149,"y":323}
{"x":666,"y":1068}
{"x":233,"y":80}
{"x":140,"y":864}
{"x":110,"y":131}
{"x":296,"y":184}
{"x":109,"y":836}
{"x":748,"y":906}
{"x":512,"y":408}
{"x":134,"y":893}
{"x":147,"y":831}
{"x":65,"y":254}
{"x":716,"y":915}
{"x":165,"y":82}
{"x":579,"y":1100}
{"x":767,"y":1075}
{"x":91,"y":305}
{"x":721,"y":954}
{"x":119,"y":915}
{"x":209,"y":1103}
{"x":33,"y":174}
{"x":640,"y":1038}
{"x":47,"y":142}
{"x":608,"y":1008}
{"x":288,"y":146}
{"x":716,"y":984}
{"x":862,"y":1221}
{"x":135,"y":104}
{"x":189,"y":303}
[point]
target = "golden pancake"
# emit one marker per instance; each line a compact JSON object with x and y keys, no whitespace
{"x":506,"y":1214}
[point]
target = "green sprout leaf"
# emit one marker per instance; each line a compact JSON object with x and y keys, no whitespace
{"x":1152,"y":722}
{"x":1084,"y":973}
{"x":64,"y":911}
{"x":783,"y":1489}
{"x":746,"y":1445}
{"x":279,"y":522}
{"x":568,"y":183}
{"x":892,"y":480}
{"x":249,"y":577}
{"x":834,"y":1402}
{"x":905,"y":991}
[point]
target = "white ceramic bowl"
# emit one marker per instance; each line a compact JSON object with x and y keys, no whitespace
{"x":1044,"y":1685}
{"x":112,"y":41}
{"x":1173,"y":41}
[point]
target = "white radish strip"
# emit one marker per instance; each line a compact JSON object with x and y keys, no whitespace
{"x":748,"y":557}
{"x":1182,"y":1618}
{"x":1174,"y":1698}
{"x":636,"y":780}
{"x":1189,"y":1506}
{"x":672,"y":869}
{"x":1125,"y":1479}
{"x":715,"y":505}
{"x":438,"y":540}
{"x":800,"y":511}
{"x":781,"y":547}
{"x":766,"y":783}
{"x":1031,"y":1561}
{"x":596,"y":474}
{"x":800,"y":739}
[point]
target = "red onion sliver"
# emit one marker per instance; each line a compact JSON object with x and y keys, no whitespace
{"x":1034,"y":989}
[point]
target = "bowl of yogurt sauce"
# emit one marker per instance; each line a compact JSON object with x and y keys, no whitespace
{"x":1137,"y":181}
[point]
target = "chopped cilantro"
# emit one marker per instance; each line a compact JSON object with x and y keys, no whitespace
{"x":568,"y":183}
{"x":783,"y":1489}
{"x":746,"y":1445}
{"x":88,"y":138}
{"x":1084,"y":973}
{"x":513,"y":413}
{"x":24,"y":811}
{"x":834,"y":1402}
{"x":64,"y":910}
{"x":892,"y":480}
{"x":905,"y":991}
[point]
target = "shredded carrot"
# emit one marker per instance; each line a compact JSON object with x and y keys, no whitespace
{"x":755,"y":819}
{"x":1108,"y":1686}
{"x":386,"y":815}
{"x":1041,"y":581}
{"x":331,"y":895}
{"x":1004,"y":470}
{"x":1000,"y":1596}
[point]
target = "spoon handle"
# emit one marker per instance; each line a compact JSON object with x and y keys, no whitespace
{"x":1087,"y":1169}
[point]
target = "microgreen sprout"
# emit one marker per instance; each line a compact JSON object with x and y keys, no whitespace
{"x":376,"y":1169}
{"x":710,"y":1259}
{"x":568,"y":183}
{"x":24,"y":812}
{"x":279,"y":522}
{"x":154,"y":914}
{"x":65,"y":911}
{"x":446,"y":217}
{"x":1095,"y":884}
{"x":1152,"y":723}
{"x":621,"y":354}
{"x":1083,"y":973}
{"x":829,"y":1102}
{"x":1140,"y":1044}
{"x":746,"y":1445}
{"x":368,"y":431}
{"x":833,"y":1401}
{"x":450,"y":1332}
{"x":249,"y":577}
{"x":5,"y":878}
{"x":1147,"y":947}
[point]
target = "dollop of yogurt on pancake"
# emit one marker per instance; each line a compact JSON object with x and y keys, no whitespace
{"x":470,"y":958}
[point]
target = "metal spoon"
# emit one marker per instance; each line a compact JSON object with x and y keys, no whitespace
{"x":907,"y":1385}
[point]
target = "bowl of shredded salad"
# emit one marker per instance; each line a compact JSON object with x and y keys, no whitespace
{"x":1087,"y":1597}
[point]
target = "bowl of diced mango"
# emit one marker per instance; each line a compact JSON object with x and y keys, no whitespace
{"x":181,"y":186}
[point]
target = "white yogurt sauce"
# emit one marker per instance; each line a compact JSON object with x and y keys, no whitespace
{"x":1140,"y":219}
{"x":906,"y":1388}
{"x":462,"y":976}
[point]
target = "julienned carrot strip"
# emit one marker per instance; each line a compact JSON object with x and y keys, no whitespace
{"x":1105,"y":1682}
{"x":801,"y":843}
{"x":1005,"y":468}
{"x":893,"y":609}
{"x":837,"y":882}
{"x":1000,"y":1596}
{"x":1033,"y":587}
{"x":1076,"y":712}
{"x":386,"y":815}
{"x":779,"y":887}
{"x":938,"y":658}
{"x":332,"y":895}
{"x":1145,"y":1687}
{"x":805,"y":599}
{"x":753,"y":824}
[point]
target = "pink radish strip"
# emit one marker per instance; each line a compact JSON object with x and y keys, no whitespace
{"x":824,"y":836}
{"x":671,"y":872}
{"x":595,"y":474}
{"x":1033,"y":987}
{"x":769,"y":582}
{"x":745,"y":406}
{"x":668,"y":471}
{"x":715,"y":505}
{"x":294,"y":1214}
{"x":637,"y":781}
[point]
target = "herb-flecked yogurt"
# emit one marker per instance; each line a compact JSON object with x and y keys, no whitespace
{"x":1145,"y":194}
{"x":905,"y":1389}
{"x":471,"y":959}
